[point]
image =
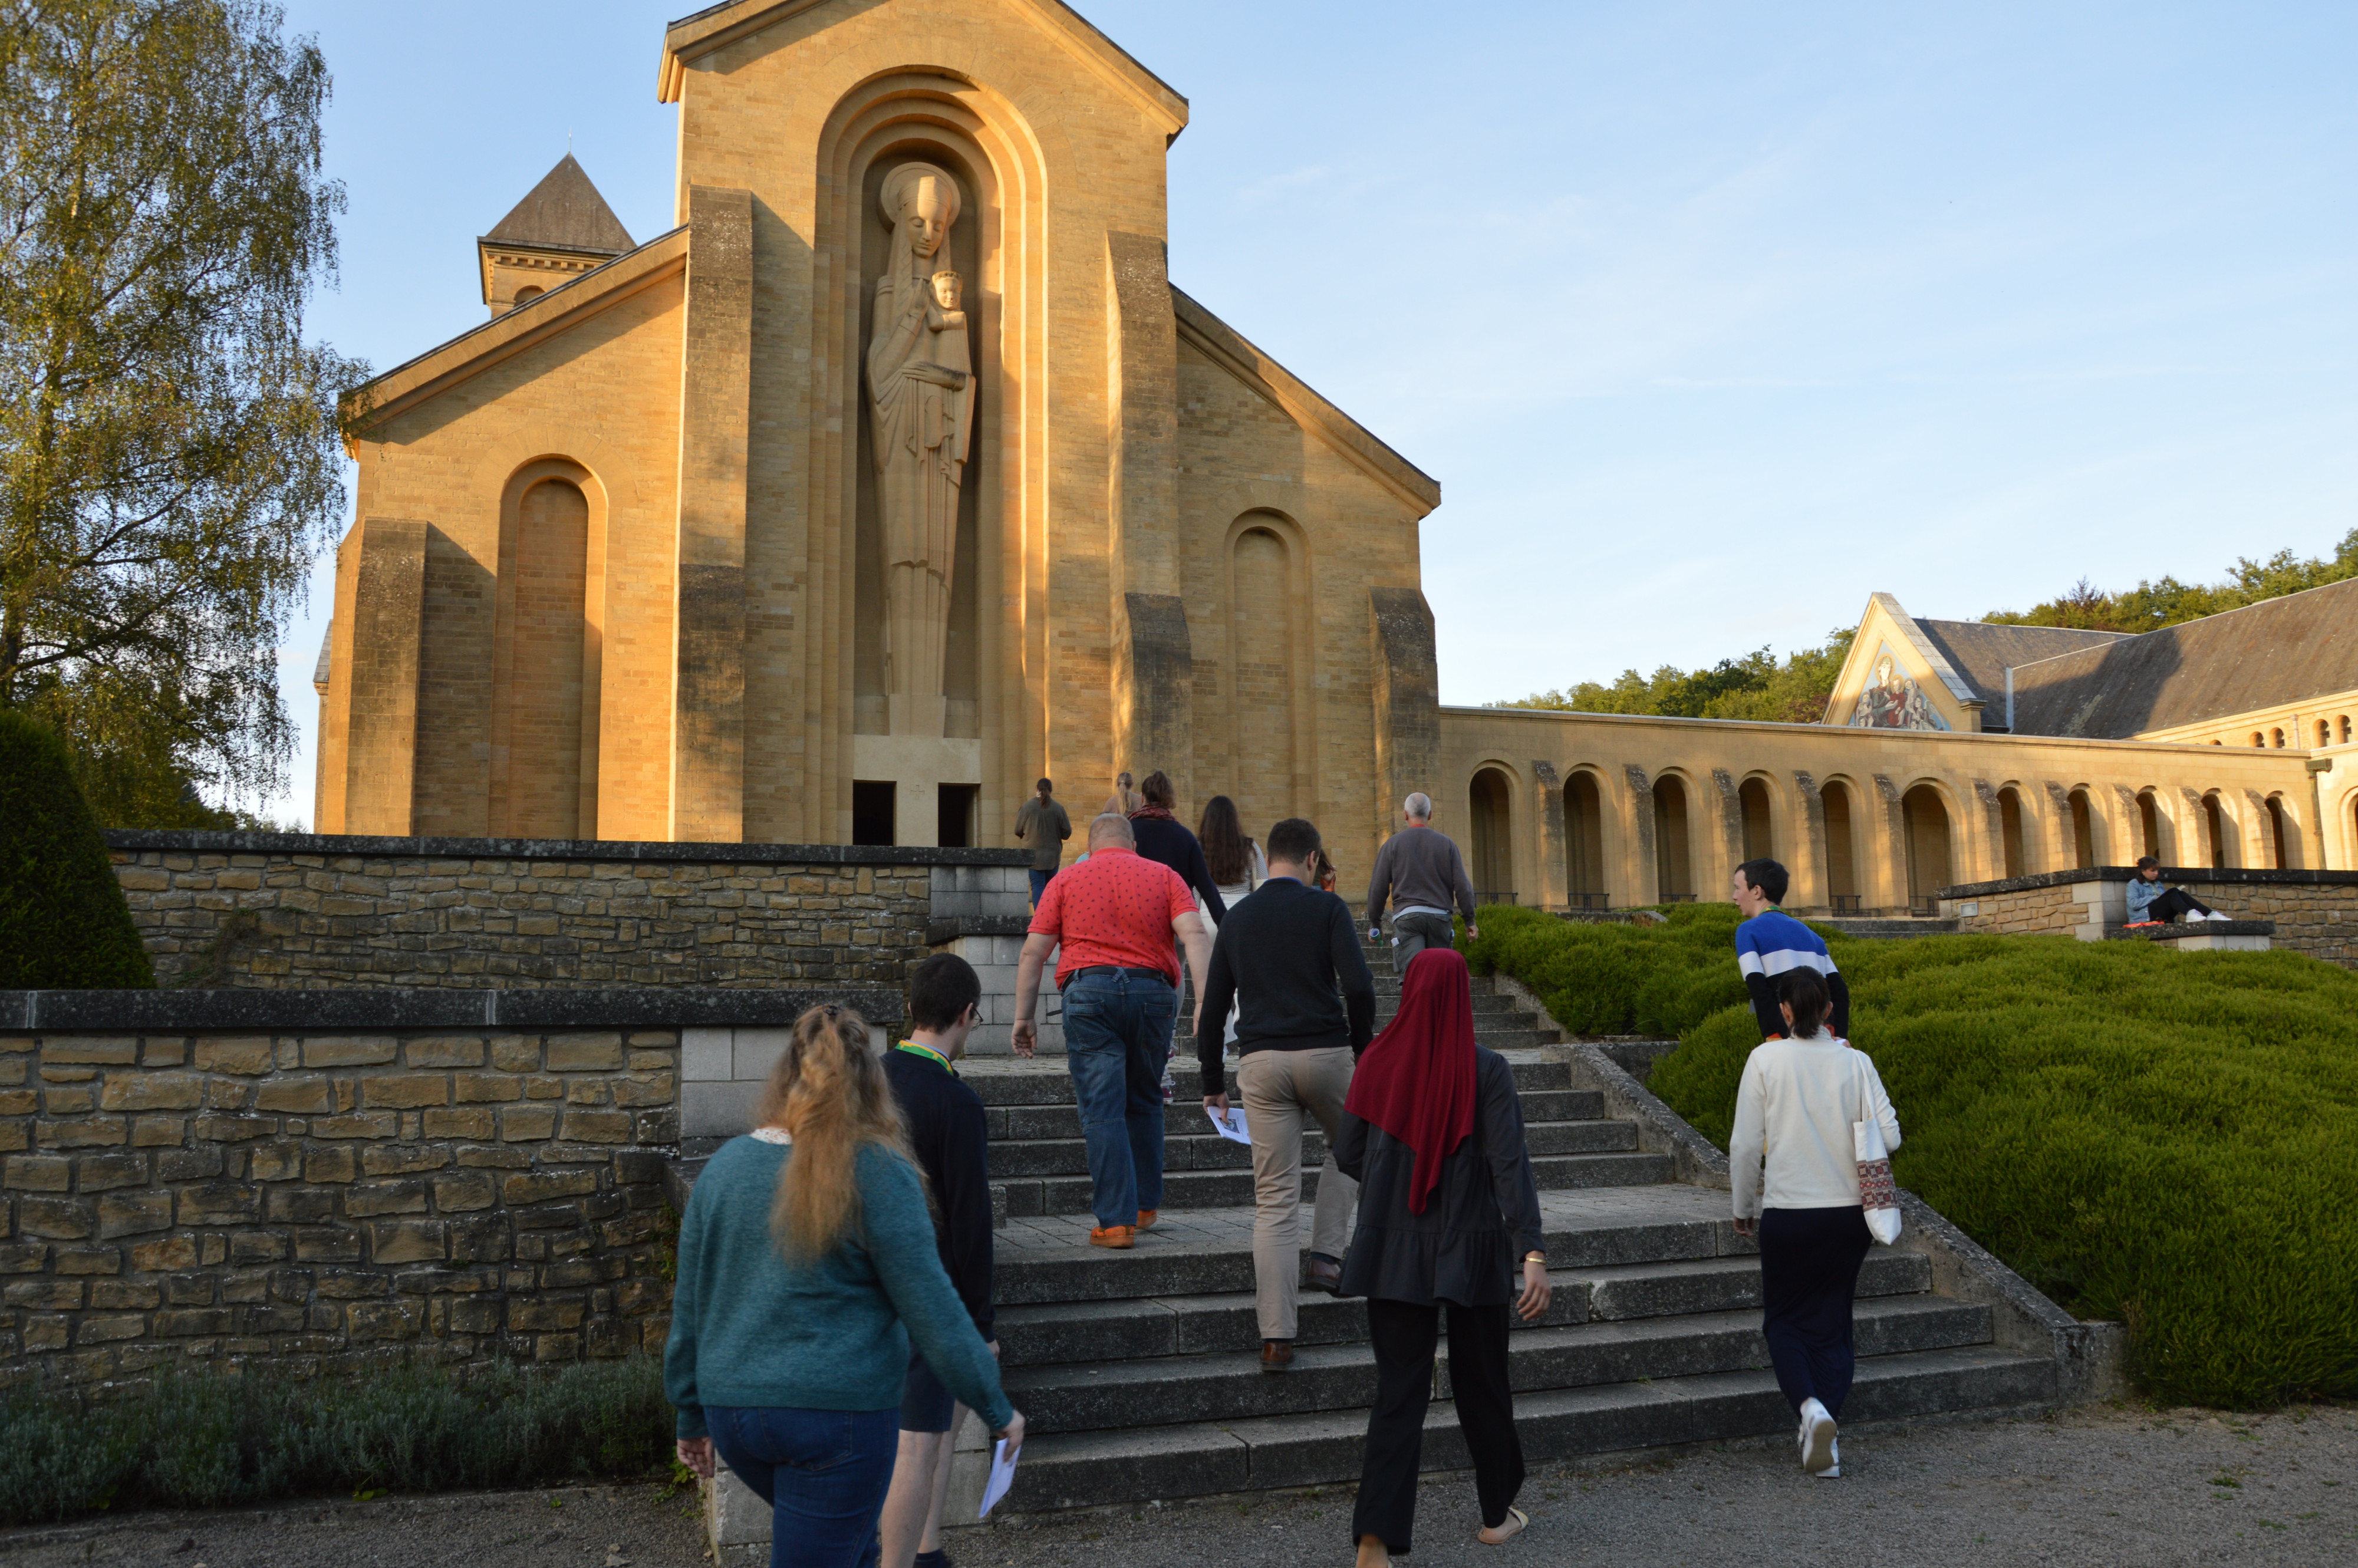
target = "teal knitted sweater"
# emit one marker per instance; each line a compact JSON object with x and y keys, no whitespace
{"x":747,"y":1329}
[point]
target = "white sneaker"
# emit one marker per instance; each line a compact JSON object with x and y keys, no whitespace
{"x":2219,"y":914}
{"x":1833,"y":1472}
{"x":1817,"y":1437}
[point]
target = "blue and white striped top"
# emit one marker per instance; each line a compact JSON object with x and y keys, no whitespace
{"x":1773,"y":942}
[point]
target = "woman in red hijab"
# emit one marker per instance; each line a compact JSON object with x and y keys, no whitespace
{"x":1448,"y":1212}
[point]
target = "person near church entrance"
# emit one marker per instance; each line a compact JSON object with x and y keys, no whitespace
{"x":2150,"y":903}
{"x":1289,"y":956}
{"x":808,"y":1266}
{"x":1449,"y":1212}
{"x":1125,"y":797}
{"x":1421,"y":874}
{"x":1114,"y":921}
{"x":1163,"y":836}
{"x":1236,"y":864}
{"x":1794,"y":1171}
{"x":1042,"y":823}
{"x":1771,"y":943}
{"x":948,"y":1134}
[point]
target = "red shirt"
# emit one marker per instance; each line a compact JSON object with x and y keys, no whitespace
{"x":1116,"y":907}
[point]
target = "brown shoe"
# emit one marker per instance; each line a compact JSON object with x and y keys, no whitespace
{"x":1122,"y":1236}
{"x":1321,"y":1275}
{"x":1146,"y":1217}
{"x":1276,"y":1354}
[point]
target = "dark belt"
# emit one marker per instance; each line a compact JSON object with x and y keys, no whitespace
{"x":1096,"y":969}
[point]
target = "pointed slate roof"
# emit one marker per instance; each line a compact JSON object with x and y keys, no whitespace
{"x":564,"y":213}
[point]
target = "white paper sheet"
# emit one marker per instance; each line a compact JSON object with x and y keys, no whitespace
{"x":1003,"y":1476}
{"x":1232,"y":1126}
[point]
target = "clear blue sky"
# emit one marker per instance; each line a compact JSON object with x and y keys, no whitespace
{"x":1711,"y":320}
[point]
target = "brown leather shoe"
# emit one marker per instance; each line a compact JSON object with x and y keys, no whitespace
{"x":1122,"y":1236}
{"x":1276,"y":1354}
{"x":1321,"y":1275}
{"x":1146,"y":1217}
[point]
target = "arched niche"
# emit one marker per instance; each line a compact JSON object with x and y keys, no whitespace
{"x":1839,"y":798}
{"x":1675,"y":875}
{"x":547,"y":654}
{"x":2012,"y":841}
{"x":1584,"y":841}
{"x":1265,"y":674}
{"x":1756,"y":809}
{"x":1490,"y":824}
{"x":1925,"y":819}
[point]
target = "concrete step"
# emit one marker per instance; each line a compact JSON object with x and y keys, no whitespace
{"x":1184,"y":1117}
{"x":1146,"y":1328}
{"x":1227,"y":1387}
{"x":1011,"y":1081}
{"x":1088,"y":1469}
{"x":1029,"y":1197}
{"x":1196,"y":1148}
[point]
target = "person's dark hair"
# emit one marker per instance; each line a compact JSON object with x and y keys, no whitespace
{"x":1156,"y":788}
{"x":1805,"y":990}
{"x":2148,"y":863}
{"x":1294,"y":839}
{"x":1045,"y":787}
{"x":1227,"y":853}
{"x":941,"y":989}
{"x":1768,"y":876}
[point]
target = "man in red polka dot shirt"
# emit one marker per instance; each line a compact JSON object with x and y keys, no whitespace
{"x":1117,"y":921}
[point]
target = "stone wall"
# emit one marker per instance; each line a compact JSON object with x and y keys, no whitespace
{"x":251,"y":1176}
{"x":2315,"y":912}
{"x":299,"y":911}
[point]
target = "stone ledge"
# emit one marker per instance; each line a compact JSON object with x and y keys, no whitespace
{"x":429,"y":1008}
{"x":2177,"y":929}
{"x":940,"y":933}
{"x":352,"y":846}
{"x":2175,"y":876}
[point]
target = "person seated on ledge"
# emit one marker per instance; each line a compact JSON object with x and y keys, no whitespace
{"x":2150,"y":903}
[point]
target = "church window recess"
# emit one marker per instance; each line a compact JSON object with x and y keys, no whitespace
{"x":2324,"y":734}
{"x":1673,"y":857}
{"x":1842,"y":861}
{"x":1892,"y":699}
{"x":1926,"y":820}
{"x":1491,"y":821}
{"x":544,"y":769}
{"x":1260,"y":677}
{"x":2346,"y":729}
{"x":1583,"y":842}
{"x":2276,"y":739}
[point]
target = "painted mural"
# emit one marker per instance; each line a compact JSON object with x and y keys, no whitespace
{"x":1891,"y":700}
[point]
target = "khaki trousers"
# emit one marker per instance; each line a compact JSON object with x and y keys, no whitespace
{"x":1282,"y":1089}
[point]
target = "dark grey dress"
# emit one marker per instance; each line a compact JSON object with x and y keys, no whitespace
{"x":1468,"y":1245}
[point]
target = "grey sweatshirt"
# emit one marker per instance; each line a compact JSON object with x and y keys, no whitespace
{"x":1419,"y":867}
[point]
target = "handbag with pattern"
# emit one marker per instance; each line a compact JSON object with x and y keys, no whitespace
{"x":1878,"y":1194}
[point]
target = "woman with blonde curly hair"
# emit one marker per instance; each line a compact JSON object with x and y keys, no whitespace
{"x":808,"y":1265}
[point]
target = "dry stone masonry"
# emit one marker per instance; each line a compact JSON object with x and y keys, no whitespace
{"x":2314,"y":913}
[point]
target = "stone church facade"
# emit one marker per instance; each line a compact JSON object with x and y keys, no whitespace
{"x":897,"y":473}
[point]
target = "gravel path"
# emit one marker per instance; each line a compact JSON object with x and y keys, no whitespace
{"x":2102,"y":1487}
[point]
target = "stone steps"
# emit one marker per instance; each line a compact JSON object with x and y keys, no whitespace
{"x":1232,"y":1185}
{"x":1199,"y":1148}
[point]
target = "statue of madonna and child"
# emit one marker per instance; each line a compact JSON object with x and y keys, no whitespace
{"x":921,"y":408}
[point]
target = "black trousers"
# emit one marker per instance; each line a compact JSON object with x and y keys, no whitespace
{"x":1808,"y":1272}
{"x":2175,"y":905}
{"x":1403,"y":1336}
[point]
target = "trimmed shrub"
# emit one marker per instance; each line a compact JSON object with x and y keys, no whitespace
{"x":64,"y":925}
{"x":1612,"y":977}
{"x":2166,"y":1139}
{"x":210,"y":1439}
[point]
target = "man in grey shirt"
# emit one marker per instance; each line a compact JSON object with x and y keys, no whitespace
{"x":1042,"y":824}
{"x":1421,"y":874}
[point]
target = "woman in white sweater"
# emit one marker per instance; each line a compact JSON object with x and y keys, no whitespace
{"x":1795,"y":1173}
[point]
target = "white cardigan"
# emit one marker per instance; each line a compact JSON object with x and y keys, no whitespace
{"x":1795,"y":1107}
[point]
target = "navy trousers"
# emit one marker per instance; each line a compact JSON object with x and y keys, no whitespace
{"x":1809,"y":1273}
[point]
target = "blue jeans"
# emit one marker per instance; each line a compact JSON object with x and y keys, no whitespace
{"x":823,"y":1473}
{"x":1117,"y":1035}
{"x":1039,"y":886}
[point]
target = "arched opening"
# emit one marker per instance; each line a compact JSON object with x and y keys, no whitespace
{"x":544,"y":729}
{"x":1927,"y":822}
{"x":1673,"y":860}
{"x":2258,"y":738}
{"x":2149,"y":825}
{"x":2009,"y":830}
{"x":1842,"y":863}
{"x":1260,"y":675}
{"x":2276,"y":739}
{"x":1752,"y":797}
{"x":2214,"y":826}
{"x":2278,"y":840}
{"x":527,"y":293}
{"x":1583,"y":842}
{"x":2083,"y":832}
{"x":2324,"y":733}
{"x":2346,"y":729}
{"x":1493,"y":868}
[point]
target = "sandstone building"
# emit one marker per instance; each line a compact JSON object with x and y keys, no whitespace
{"x":897,"y":473}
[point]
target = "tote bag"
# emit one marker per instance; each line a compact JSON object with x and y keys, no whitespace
{"x":1877,"y":1195}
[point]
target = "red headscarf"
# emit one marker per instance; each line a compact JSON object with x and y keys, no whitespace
{"x":1416,"y":1080}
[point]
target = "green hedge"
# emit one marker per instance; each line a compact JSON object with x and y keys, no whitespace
{"x":209,"y":1440}
{"x":64,"y":925}
{"x":2166,"y":1139}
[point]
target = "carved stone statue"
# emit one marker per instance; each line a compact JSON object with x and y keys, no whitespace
{"x":921,"y":402}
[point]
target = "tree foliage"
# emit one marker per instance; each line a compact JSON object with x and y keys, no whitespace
{"x":1754,"y":686}
{"x":169,"y":455}
{"x":64,"y":924}
{"x":2166,"y":601}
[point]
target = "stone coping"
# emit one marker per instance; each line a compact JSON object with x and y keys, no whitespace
{"x":2172,"y":930}
{"x":349,"y":846}
{"x":940,"y":931}
{"x":324,"y":1012}
{"x":2223,"y":875}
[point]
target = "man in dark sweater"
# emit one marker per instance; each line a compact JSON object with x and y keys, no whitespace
{"x":947,"y":1135}
{"x":1290,"y":957}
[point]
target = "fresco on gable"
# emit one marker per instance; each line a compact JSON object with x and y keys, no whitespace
{"x":1891,"y":700}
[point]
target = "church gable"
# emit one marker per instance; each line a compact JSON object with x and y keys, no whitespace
{"x":1896,"y":678}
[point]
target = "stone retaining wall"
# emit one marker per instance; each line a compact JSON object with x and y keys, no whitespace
{"x":290,"y":910}
{"x":2315,"y":911}
{"x":320,"y":1196}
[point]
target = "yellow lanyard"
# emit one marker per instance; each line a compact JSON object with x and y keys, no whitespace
{"x":914,"y":1049}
